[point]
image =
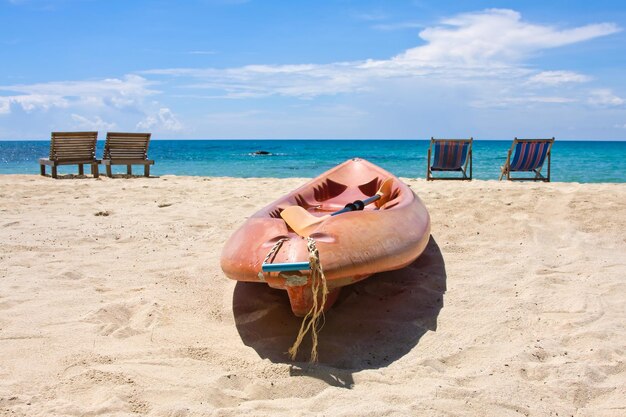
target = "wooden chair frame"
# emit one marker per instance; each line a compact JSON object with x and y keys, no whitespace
{"x":127,"y":149}
{"x":538,"y":177}
{"x":468,"y":160}
{"x":71,"y":148}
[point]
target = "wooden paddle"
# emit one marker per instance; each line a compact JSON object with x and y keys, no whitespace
{"x":302,"y":222}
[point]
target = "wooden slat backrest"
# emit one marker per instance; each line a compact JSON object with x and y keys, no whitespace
{"x":126,"y":146}
{"x":73,"y":146}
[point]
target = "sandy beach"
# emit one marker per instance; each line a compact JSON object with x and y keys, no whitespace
{"x":113,"y":303}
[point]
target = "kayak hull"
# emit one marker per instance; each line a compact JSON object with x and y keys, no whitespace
{"x":385,"y":236}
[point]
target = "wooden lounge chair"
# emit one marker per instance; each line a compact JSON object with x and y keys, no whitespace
{"x":530,"y":155}
{"x":450,"y":155}
{"x":71,"y":148}
{"x":127,"y":149}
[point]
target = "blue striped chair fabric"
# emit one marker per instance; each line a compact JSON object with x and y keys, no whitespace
{"x":450,"y":155}
{"x":529,"y":156}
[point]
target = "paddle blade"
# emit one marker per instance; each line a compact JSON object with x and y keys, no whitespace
{"x":384,"y":192}
{"x":301,"y":221}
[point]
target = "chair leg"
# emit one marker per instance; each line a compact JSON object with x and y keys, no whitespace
{"x":54,"y":171}
{"x":109,"y":171}
{"x":81,"y":169}
{"x":129,"y":169}
{"x":428,"y":165}
{"x":42,"y":169}
{"x":548,"y":180}
{"x":95,"y":171}
{"x":146,"y":170}
{"x":506,"y":168}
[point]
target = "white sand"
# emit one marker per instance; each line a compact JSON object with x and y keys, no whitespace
{"x":517,"y":308}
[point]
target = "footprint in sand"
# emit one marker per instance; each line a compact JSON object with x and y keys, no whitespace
{"x":7,"y":304}
{"x":103,"y":393}
{"x":72,"y":275}
{"x":125,"y":319}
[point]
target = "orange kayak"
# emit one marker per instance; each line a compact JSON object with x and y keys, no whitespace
{"x":388,"y":234}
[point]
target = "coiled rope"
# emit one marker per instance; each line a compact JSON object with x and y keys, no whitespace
{"x":314,"y":319}
{"x":274,"y":250}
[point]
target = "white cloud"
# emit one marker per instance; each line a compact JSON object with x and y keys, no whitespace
{"x":397,"y":26}
{"x":5,"y":106}
{"x":604,"y":97}
{"x":96,"y":123}
{"x":163,"y":119}
{"x":558,"y":77}
{"x":487,"y":46}
{"x":111,"y":92}
{"x":467,"y":62}
{"x":31,"y":102}
{"x":528,"y":100}
{"x":371,"y":16}
{"x":494,"y":37}
{"x":112,"y":103}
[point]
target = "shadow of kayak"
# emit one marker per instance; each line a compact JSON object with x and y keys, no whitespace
{"x":373,"y":323}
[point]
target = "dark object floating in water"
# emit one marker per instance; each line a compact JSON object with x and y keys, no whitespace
{"x":261,"y":153}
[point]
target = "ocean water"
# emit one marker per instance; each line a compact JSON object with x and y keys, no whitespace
{"x":572,"y":161}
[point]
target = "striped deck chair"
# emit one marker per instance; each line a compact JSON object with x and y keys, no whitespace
{"x":450,"y":155}
{"x":530,"y":155}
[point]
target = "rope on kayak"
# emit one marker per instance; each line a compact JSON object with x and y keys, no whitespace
{"x":274,"y":250}
{"x":314,"y":319}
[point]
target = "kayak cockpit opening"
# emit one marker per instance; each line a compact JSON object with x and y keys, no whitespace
{"x":327,"y":190}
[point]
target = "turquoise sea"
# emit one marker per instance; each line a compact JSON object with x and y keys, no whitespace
{"x":572,"y":161}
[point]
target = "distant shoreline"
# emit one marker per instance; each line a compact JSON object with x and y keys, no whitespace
{"x":572,"y":161}
{"x":327,"y":139}
{"x":123,"y":177}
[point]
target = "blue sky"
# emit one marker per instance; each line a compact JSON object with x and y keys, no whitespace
{"x":314,"y":69}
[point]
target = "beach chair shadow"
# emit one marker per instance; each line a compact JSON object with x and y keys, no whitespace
{"x":132,"y":176}
{"x":71,"y":176}
{"x":530,"y":155}
{"x":450,"y":155}
{"x":127,"y":149}
{"x":71,"y":148}
{"x":373,"y":323}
